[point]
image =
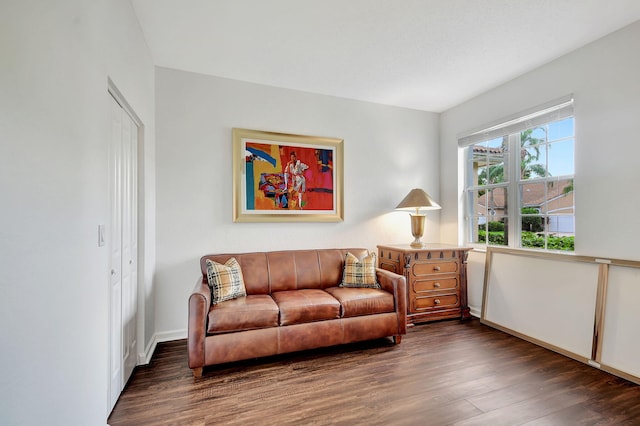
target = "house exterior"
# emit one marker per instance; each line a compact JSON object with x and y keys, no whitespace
{"x":554,"y":200}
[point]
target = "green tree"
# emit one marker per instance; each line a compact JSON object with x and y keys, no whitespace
{"x":530,"y":150}
{"x":569,"y":188}
{"x":530,"y":154}
{"x":494,"y":173}
{"x":531,"y":223}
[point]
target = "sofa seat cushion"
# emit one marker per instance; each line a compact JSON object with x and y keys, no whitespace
{"x":362,"y":301}
{"x":306,"y":305}
{"x":244,"y":313}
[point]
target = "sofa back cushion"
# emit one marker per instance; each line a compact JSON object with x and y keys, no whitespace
{"x":266,"y":272}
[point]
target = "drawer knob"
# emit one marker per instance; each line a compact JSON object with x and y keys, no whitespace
{"x":436,"y":268}
{"x":436,"y":285}
{"x":437,"y":301}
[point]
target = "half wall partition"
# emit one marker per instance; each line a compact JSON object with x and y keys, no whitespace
{"x":586,"y":308}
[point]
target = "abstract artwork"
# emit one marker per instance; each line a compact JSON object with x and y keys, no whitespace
{"x":280,"y":177}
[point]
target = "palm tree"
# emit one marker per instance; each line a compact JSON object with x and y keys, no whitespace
{"x":530,"y":150}
{"x":529,"y":153}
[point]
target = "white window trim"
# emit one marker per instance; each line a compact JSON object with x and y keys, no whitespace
{"x":551,"y":111}
{"x":556,"y":110}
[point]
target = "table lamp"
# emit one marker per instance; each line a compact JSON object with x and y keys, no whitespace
{"x":417,"y":199}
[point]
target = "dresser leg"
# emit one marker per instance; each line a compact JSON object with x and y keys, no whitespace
{"x":466,"y":314}
{"x":397,"y":339}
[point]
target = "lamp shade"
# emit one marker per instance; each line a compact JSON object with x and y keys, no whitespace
{"x":417,"y":199}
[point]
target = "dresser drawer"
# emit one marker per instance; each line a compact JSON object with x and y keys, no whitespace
{"x":445,"y":283}
{"x":427,"y":268}
{"x":391,"y":260}
{"x":430,"y":302}
{"x":390,"y":265}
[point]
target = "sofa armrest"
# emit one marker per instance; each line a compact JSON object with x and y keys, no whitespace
{"x":199,"y":304}
{"x":396,"y":285}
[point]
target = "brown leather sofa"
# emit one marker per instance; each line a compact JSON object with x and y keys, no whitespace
{"x":293,"y":303}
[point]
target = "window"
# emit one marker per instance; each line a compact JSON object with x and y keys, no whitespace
{"x":520,"y":181}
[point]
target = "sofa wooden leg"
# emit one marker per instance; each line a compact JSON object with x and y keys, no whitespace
{"x":397,"y":339}
{"x":197,"y":373}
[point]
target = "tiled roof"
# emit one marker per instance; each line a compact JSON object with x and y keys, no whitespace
{"x":485,"y":150}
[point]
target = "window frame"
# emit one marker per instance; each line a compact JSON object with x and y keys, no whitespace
{"x":511,"y":130}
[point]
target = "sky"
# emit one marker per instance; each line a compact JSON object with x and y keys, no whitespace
{"x":558,"y":151}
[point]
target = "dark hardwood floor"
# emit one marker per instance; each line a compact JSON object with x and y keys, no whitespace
{"x":444,"y":373}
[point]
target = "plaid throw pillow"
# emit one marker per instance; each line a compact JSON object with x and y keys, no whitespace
{"x":360,"y":273}
{"x":226,"y":280}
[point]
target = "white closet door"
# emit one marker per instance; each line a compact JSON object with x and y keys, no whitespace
{"x":124,"y":249}
{"x":115,"y":244}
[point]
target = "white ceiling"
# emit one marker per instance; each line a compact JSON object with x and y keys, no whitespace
{"x":424,"y":54}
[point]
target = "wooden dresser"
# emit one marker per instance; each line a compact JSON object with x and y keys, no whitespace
{"x":436,"y":277}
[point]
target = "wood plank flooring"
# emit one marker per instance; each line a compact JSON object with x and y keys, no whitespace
{"x":443,"y":373}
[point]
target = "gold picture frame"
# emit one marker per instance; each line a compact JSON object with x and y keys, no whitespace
{"x":281,"y":177}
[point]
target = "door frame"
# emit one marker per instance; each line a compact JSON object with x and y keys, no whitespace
{"x":114,"y":92}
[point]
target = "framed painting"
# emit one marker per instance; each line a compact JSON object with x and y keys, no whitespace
{"x":280,"y":177}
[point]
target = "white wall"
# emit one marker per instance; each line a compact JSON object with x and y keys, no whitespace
{"x":387,"y":152}
{"x":603,"y":76}
{"x":55,"y":59}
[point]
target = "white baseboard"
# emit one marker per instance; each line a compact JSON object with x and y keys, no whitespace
{"x":474,"y":311}
{"x":166,"y":336}
{"x":145,"y":357}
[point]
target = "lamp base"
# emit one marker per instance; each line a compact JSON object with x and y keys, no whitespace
{"x":417,"y":243}
{"x":417,"y":229}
